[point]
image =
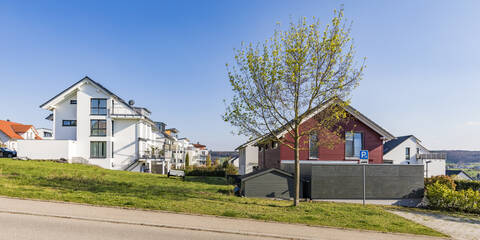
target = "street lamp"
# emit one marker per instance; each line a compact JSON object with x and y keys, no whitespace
{"x":426,"y":163}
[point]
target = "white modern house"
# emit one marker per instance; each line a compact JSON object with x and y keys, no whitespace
{"x":458,"y":175}
{"x":247,"y":157}
{"x":45,"y":133}
{"x":93,"y":125}
{"x":12,"y":132}
{"x":408,"y":150}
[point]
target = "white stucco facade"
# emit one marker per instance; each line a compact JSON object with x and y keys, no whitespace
{"x":248,"y":158}
{"x":92,"y":125}
{"x":45,"y":133}
{"x":410,"y":151}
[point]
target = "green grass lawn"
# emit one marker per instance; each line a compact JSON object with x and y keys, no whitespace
{"x":93,"y":185}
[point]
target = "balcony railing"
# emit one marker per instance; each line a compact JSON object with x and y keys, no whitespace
{"x":432,"y":156}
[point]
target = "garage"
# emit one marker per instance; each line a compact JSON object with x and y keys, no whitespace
{"x":268,"y":183}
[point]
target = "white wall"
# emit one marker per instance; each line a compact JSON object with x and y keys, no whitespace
{"x":84,"y":95}
{"x":46,"y":150}
{"x":436,"y":167}
{"x":248,"y":158}
{"x":65,"y":111}
{"x":125,"y":143}
{"x":127,"y":128}
{"x":397,"y":155}
{"x":41,"y":132}
{"x":29,"y":134}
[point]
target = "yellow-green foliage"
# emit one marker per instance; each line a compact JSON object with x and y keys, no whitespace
{"x":198,"y":195}
{"x":442,"y":196}
{"x":442,"y":179}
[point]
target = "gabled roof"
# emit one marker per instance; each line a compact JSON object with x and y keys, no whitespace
{"x":108,"y":92}
{"x":13,"y":129}
{"x":262,"y":172}
{"x":390,"y":145}
{"x":354,"y":112}
{"x":87,"y":79}
{"x":456,"y":172}
{"x":321,"y":107}
{"x":250,"y":142}
{"x":198,"y":145}
{"x":21,"y":128}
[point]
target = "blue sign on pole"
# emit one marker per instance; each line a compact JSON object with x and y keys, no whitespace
{"x":364,"y":155}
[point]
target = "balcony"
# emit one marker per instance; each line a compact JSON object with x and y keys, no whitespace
{"x":426,"y":156}
{"x":123,"y":113}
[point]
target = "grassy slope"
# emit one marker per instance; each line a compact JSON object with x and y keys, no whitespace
{"x":93,"y":185}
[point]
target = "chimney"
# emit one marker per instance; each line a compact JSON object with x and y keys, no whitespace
{"x":8,"y":120}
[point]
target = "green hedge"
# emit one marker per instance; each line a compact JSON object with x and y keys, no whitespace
{"x":205,"y":171}
{"x":465,"y":185}
{"x":440,"y":196}
{"x":212,"y":171}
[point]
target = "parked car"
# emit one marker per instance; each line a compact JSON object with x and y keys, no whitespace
{"x":5,"y":152}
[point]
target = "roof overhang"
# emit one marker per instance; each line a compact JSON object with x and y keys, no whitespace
{"x":355,"y":113}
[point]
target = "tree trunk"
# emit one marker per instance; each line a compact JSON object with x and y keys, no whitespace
{"x":296,"y":198}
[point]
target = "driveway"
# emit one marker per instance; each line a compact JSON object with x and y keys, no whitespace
{"x":457,"y":228}
{"x":30,"y":219}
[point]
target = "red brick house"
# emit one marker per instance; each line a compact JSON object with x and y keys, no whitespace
{"x":358,"y":133}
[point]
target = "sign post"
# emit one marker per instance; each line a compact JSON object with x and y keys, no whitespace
{"x":364,"y":156}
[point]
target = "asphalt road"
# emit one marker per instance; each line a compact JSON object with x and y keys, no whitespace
{"x":28,"y":227}
{"x":31,"y":219}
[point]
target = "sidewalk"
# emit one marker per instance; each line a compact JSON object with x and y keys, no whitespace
{"x":188,"y":222}
{"x":458,"y":228}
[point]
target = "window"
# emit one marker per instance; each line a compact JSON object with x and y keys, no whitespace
{"x":407,"y":153}
{"x":113,"y":127}
{"x":98,"y":150}
{"x":98,"y":127}
{"x":47,"y":134}
{"x":73,"y":101}
{"x":112,"y":150}
{"x":313,"y":146}
{"x":98,"y":106}
{"x":418,"y":150}
{"x":353,"y":144}
{"x":69,"y":123}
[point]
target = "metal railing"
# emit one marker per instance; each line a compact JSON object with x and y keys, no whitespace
{"x":432,"y":156}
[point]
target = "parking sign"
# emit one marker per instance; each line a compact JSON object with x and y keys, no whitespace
{"x":364,"y":155}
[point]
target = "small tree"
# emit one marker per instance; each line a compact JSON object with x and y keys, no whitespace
{"x":209,"y":161}
{"x":187,"y":160}
{"x":278,"y":83}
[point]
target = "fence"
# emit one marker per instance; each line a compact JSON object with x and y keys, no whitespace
{"x":346,"y":181}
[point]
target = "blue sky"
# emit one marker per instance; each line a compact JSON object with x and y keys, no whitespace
{"x":422,"y":73}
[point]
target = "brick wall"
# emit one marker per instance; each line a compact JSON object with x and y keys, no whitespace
{"x":331,"y":146}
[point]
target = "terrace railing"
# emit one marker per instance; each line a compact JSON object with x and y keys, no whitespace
{"x":432,"y":156}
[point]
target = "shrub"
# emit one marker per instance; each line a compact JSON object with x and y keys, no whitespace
{"x":205,"y":171}
{"x":441,"y":196}
{"x":465,"y":185}
{"x":187,"y":160}
{"x":231,"y":169}
{"x":209,"y":161}
{"x":445,"y":180}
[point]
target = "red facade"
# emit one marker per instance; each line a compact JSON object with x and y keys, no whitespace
{"x":271,"y":156}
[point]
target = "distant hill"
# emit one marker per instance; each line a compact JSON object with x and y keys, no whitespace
{"x":461,"y":156}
